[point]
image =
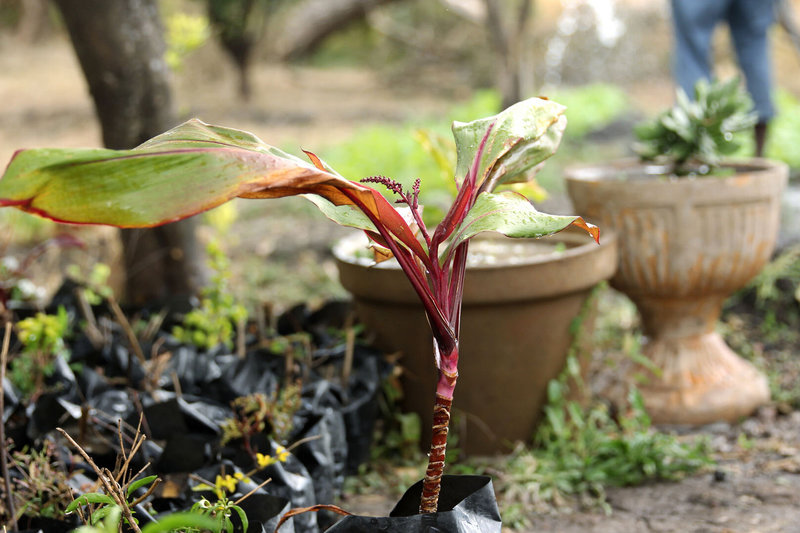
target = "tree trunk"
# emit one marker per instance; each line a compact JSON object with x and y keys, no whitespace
{"x":239,"y":25}
{"x":120,"y":46}
{"x":35,"y":23}
{"x":312,"y":21}
{"x":508,"y":27}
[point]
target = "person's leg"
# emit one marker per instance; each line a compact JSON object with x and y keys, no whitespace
{"x":760,"y":132}
{"x":750,"y":21}
{"x":693,"y":23}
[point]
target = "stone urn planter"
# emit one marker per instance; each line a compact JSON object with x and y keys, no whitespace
{"x":517,"y":309}
{"x":685,"y":244}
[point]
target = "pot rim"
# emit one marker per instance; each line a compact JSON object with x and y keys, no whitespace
{"x":574,"y":270}
{"x":344,"y":248}
{"x":609,"y":171}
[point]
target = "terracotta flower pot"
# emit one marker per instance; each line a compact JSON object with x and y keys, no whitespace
{"x":514,"y":333}
{"x":685,"y":244}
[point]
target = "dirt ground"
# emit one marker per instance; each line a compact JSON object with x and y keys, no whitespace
{"x":755,"y":490}
{"x":44,"y":102}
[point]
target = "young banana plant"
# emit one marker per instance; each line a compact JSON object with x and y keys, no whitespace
{"x":197,"y":166}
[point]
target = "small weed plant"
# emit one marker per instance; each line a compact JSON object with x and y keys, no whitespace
{"x":581,"y":448}
{"x":94,"y":285}
{"x":777,"y":286}
{"x":42,"y":339}
{"x":768,"y":308}
{"x":579,"y":452}
{"x":223,"y":508}
{"x":111,"y":508}
{"x":106,"y":504}
{"x":220,"y":512}
{"x":40,"y":486}
{"x":183,"y":522}
{"x":215,"y":321}
{"x":256,"y":413}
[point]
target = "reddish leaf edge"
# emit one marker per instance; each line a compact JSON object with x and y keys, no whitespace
{"x":590,"y":228}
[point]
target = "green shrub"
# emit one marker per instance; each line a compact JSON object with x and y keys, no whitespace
{"x":784,"y":132}
{"x":216,"y":319}
{"x":42,"y":339}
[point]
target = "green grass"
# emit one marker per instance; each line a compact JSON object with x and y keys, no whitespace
{"x":396,"y":151}
{"x":784,"y":133}
{"x":590,"y":107}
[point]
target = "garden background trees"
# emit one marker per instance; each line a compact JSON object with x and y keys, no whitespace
{"x":120,"y":46}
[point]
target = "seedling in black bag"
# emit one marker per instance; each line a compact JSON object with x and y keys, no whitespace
{"x":195,"y":167}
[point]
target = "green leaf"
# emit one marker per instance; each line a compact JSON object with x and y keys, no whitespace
{"x":522,"y":136}
{"x":699,"y":129}
{"x":344,"y":215}
{"x":181,"y":521}
{"x":99,"y":515}
{"x":182,"y":172}
{"x":110,"y":522}
{"x":189,"y":169}
{"x":140,"y":483}
{"x":242,"y":517}
{"x":86,"y":499}
{"x":508,"y":213}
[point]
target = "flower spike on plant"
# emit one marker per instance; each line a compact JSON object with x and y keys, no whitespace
{"x":197,"y":166}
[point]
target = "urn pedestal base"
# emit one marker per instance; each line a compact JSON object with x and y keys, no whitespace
{"x":699,"y":380}
{"x":686,"y":244}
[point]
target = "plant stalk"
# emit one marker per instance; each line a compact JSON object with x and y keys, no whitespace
{"x":432,"y":482}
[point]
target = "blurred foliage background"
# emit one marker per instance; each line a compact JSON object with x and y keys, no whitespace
{"x":373,"y":93}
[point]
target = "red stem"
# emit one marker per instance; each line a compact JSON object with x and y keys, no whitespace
{"x":439,"y":324}
{"x":432,"y":482}
{"x":457,"y":285}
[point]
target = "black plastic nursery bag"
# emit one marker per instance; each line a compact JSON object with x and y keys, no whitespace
{"x":467,"y":504}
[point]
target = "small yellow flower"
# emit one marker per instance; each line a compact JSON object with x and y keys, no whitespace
{"x":228,"y":482}
{"x":282,"y":453}
{"x":264,"y":460}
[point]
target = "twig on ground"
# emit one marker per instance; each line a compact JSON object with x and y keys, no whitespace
{"x":106,"y":478}
{"x":243,"y":498}
{"x":126,"y":327}
{"x":349,"y":352}
{"x":96,"y":337}
{"x":3,"y":447}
